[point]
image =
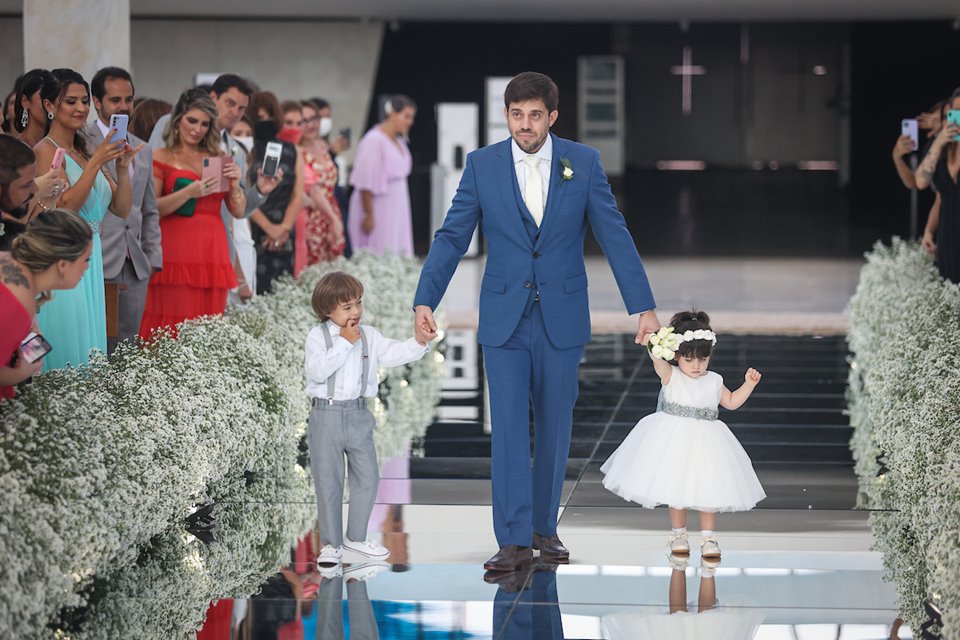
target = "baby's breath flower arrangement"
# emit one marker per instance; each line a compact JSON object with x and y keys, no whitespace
{"x":101,"y":466}
{"x":903,"y":404}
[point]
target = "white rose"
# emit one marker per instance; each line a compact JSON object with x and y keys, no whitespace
{"x":654,"y":339}
{"x":567,"y":173}
{"x":688,"y":335}
{"x":668,"y":355}
{"x":663,"y":332}
{"x":657,"y":351}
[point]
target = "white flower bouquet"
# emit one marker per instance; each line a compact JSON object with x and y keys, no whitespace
{"x":664,"y":343}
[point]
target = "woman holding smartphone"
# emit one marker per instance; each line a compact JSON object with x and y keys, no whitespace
{"x":52,"y":253}
{"x":197,"y":273}
{"x":941,"y":167}
{"x":75,"y":320}
{"x":274,"y":221}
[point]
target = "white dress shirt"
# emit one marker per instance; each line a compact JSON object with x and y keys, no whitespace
{"x":346,"y":359}
{"x":546,"y":161}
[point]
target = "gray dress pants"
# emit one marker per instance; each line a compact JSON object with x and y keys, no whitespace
{"x":335,"y":432}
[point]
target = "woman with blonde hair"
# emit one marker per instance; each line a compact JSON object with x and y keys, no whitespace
{"x":197,"y":272}
{"x":53,"y":252}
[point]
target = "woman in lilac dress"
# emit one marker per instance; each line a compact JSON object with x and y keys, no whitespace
{"x":380,"y":219}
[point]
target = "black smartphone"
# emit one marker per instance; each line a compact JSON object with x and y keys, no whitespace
{"x":34,"y":347}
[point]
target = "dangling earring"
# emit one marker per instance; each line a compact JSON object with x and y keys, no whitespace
{"x":49,"y":115}
{"x":25,"y":118}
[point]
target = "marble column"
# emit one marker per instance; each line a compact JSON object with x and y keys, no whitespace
{"x":83,"y":35}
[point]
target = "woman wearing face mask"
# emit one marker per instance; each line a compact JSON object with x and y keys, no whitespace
{"x":273,"y":222}
{"x":246,"y":260}
{"x":76,"y":320}
{"x":319,"y":232}
{"x":380,"y":218}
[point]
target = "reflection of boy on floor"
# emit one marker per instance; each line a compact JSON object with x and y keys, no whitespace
{"x":342,"y":360}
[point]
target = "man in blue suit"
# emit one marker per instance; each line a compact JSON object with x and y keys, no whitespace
{"x":533,"y":194}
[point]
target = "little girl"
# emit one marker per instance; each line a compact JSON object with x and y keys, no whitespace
{"x":682,"y":456}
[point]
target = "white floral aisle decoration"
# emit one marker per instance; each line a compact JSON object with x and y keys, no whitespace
{"x":904,"y":405}
{"x":100,"y":466}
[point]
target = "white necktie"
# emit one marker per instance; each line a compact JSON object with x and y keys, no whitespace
{"x":533,"y":189}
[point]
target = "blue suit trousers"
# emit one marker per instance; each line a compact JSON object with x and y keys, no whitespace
{"x":529,"y":369}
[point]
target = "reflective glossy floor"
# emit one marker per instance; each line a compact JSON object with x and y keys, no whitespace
{"x":799,"y":566}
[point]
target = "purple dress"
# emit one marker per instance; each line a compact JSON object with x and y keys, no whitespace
{"x":382,"y":167}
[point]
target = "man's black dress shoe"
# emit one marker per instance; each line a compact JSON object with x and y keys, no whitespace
{"x":509,"y":558}
{"x":551,"y":548}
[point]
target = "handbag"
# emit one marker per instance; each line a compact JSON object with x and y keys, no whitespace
{"x":187,"y":208}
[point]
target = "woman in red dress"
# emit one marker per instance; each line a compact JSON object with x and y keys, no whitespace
{"x":197,"y":272}
{"x":320,"y":234}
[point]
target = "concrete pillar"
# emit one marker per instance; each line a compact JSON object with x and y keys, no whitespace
{"x":83,"y":35}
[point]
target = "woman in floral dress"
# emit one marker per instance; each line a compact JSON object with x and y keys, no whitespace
{"x":319,"y":234}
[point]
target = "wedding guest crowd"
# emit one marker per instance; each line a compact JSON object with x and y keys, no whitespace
{"x":166,"y":209}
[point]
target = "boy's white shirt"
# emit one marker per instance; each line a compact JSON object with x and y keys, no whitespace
{"x":346,"y":359}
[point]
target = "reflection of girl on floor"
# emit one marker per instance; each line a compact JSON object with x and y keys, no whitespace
{"x":703,"y":620}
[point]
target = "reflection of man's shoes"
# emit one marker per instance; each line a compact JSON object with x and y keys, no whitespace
{"x":510,"y":558}
{"x":551,"y":547}
{"x":547,"y":564}
{"x":709,"y":548}
{"x":367,"y":548}
{"x":679,"y":544}
{"x":678,"y":562}
{"x":708,"y":566}
{"x":509,"y":581}
{"x":331,"y":572}
{"x":329,"y":555}
{"x":366,"y":571}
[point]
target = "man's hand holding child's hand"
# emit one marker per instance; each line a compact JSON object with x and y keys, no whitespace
{"x":351,"y":332}
{"x":425,"y":336}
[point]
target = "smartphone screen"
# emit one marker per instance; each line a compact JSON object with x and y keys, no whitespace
{"x":271,"y":159}
{"x":908,"y":127}
{"x":34,"y":347}
{"x":119,"y":122}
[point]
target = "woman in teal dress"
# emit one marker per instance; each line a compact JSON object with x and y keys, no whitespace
{"x":74,"y":322}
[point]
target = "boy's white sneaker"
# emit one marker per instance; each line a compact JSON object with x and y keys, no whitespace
{"x":679,"y":544}
{"x":364,"y":572}
{"x":367,"y":548}
{"x":330,"y":555}
{"x":330,"y":572}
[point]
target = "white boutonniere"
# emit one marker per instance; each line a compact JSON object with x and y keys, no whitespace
{"x":567,"y":169}
{"x":233,"y":151}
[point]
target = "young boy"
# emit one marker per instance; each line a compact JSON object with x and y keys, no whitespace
{"x":342,"y":358}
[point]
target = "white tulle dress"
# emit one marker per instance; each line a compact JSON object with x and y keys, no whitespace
{"x":675,"y":459}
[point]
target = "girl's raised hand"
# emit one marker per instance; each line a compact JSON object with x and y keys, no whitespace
{"x":752,"y":377}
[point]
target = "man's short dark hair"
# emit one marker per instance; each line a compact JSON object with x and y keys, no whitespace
{"x":531,"y":85}
{"x":228,"y":81}
{"x":98,"y":86}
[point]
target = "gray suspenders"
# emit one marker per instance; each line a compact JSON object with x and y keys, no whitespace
{"x":332,"y":380}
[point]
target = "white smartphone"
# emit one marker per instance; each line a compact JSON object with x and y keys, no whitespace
{"x":271,"y":158}
{"x":908,"y":127}
{"x":119,"y":122}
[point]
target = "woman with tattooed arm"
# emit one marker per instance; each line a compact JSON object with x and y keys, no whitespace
{"x":940,"y":167}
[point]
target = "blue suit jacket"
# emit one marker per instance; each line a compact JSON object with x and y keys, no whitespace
{"x":552,"y":259}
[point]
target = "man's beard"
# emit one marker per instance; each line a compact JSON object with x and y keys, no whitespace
{"x":19,"y":213}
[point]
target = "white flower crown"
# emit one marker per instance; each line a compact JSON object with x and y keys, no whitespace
{"x":664,"y":343}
